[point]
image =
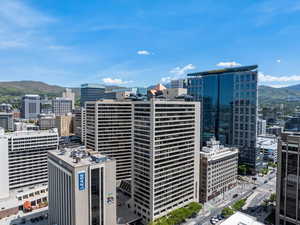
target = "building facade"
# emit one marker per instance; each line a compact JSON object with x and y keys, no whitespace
{"x":30,"y":106}
{"x":165,"y":156}
{"x":27,"y":156}
{"x":46,"y":121}
{"x":108,"y":131}
{"x":91,"y":92}
{"x":229,"y":108}
{"x":261,"y":127}
{"x":64,"y":124}
{"x":173,"y":93}
{"x":69,"y":94}
{"x":218,"y":170}
{"x":288,"y":182}
{"x":81,"y":187}
{"x":179,"y":83}
{"x":61,"y":106}
{"x":268,"y":145}
{"x":6,"y":121}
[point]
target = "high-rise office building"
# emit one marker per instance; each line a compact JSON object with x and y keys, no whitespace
{"x":69,"y":94}
{"x":179,"y":83}
{"x":30,"y":106}
{"x":108,"y":131}
{"x":288,"y":182}
{"x":27,"y":156}
{"x":81,"y":188}
{"x":64,"y":124}
{"x":61,"y":106}
{"x":261,"y":127}
{"x":91,"y":92}
{"x":229,"y":108}
{"x":218,"y":170}
{"x":165,"y":156}
{"x":6,"y":121}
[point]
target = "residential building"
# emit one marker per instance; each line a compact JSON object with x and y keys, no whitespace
{"x":30,"y":106}
{"x":70,"y":95}
{"x":261,"y":127}
{"x":7,"y":121}
{"x":82,"y":188}
{"x":229,"y":108}
{"x":61,"y":106}
{"x":27,"y":156}
{"x":64,"y":124}
{"x":173,"y":93}
{"x":46,"y":121}
{"x":91,"y":92}
{"x":165,"y":156}
{"x":108,"y":131}
{"x":288,"y":204}
{"x":179,"y":83}
{"x":268,"y":144}
{"x":218,"y":170}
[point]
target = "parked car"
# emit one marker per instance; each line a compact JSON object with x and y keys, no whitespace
{"x":235,"y":195}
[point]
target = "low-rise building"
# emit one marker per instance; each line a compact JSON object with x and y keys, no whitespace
{"x":218,"y":170}
{"x":46,"y":121}
{"x":6,"y":121}
{"x":172,"y":93}
{"x":241,"y":219}
{"x":275,"y":130}
{"x":267,"y":144}
{"x":82,"y":188}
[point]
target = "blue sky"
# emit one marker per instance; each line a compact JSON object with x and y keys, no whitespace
{"x":138,"y":43}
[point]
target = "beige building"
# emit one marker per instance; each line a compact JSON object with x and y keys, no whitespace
{"x":218,"y":170}
{"x":165,"y":156}
{"x":108,"y":131}
{"x":69,"y":94}
{"x":64,"y":125}
{"x":81,"y":188}
{"x":172,"y":93}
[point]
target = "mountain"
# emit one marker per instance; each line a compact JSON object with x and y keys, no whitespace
{"x":270,"y":95}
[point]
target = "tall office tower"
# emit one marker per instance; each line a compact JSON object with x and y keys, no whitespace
{"x":6,"y":121}
{"x":4,"y":187}
{"x":108,"y":130}
{"x":165,"y":156}
{"x":30,"y":106}
{"x":61,"y":106}
{"x":82,"y":188}
{"x":179,"y":83}
{"x":288,"y":182}
{"x":229,"y":108}
{"x":91,"y":92}
{"x":83,"y":125}
{"x":64,"y":124}
{"x":261,"y":127}
{"x":27,"y":156}
{"x":77,"y":122}
{"x":69,"y":94}
{"x":218,"y":170}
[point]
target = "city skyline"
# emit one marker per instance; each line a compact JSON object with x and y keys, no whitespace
{"x":133,"y":43}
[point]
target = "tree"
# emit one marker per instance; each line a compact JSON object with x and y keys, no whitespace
{"x":272,"y":198}
{"x":238,"y":205}
{"x":242,"y":169}
{"x":226,"y":212}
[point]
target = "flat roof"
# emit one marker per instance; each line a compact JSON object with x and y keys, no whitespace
{"x":83,"y":155}
{"x":225,"y":70}
{"x":241,"y":218}
{"x":31,"y":133}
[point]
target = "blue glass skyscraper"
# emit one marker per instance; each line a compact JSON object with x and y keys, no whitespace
{"x":229,"y":108}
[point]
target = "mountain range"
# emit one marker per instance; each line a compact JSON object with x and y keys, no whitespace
{"x":13,"y":90}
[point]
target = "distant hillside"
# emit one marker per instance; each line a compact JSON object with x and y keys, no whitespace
{"x":272,"y":95}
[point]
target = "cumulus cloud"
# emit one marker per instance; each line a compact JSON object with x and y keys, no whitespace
{"x":278,"y":60}
{"x":269,"y":78}
{"x":114,"y":81}
{"x":165,"y":80}
{"x":182,"y":70}
{"x":143,"y":52}
{"x":228,"y":64}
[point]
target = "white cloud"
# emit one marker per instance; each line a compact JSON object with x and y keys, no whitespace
{"x":228,"y":64}
{"x":143,"y":52}
{"x":114,"y":81}
{"x":58,"y":47}
{"x":12,"y":44}
{"x":269,"y":78}
{"x":278,"y":85}
{"x":165,"y":80}
{"x":278,"y":60}
{"x":182,"y":70}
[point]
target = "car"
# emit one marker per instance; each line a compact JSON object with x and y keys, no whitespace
{"x":265,"y":181}
{"x":235,"y":195}
{"x":254,"y":188}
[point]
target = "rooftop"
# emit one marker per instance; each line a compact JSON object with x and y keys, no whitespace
{"x":31,"y":133}
{"x":225,"y":70}
{"x":92,"y":86}
{"x":214,"y":150}
{"x":267,"y":142}
{"x":241,"y":219}
{"x":79,"y":156}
